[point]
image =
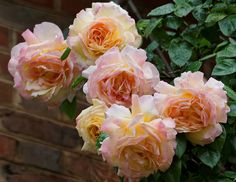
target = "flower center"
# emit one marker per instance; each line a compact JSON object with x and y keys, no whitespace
{"x":119,"y":87}
{"x":190,"y":112}
{"x":103,"y":35}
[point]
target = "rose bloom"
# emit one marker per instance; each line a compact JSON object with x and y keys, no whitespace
{"x":139,"y":143}
{"x":117,"y":75}
{"x":97,"y":29}
{"x":196,"y":106}
{"x":37,"y":68}
{"x":89,"y":123}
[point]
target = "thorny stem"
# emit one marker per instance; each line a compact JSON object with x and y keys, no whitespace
{"x":159,"y":52}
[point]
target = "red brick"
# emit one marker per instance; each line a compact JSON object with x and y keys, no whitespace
{"x":4,"y":73}
{"x":3,"y":37}
{"x":72,"y":7}
{"x":38,"y":155}
{"x":90,"y":169}
{"x":41,"y":3}
{"x":21,"y":173}
{"x":41,"y":129}
{"x":7,"y":147}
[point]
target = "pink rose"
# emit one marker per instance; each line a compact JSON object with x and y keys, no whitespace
{"x":140,"y":142}
{"x":117,"y":75}
{"x":37,"y":68}
{"x":95,"y":30}
{"x":196,"y":106}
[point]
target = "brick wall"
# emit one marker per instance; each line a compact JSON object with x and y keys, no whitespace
{"x":37,"y":144}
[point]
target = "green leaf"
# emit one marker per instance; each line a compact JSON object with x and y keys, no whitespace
{"x":230,"y":174}
{"x":100,"y":139}
{"x":199,"y":14}
{"x":78,"y":81}
{"x":183,"y":9}
{"x":162,"y":10}
{"x":173,"y":22}
{"x":142,"y":25}
{"x":224,"y":67}
{"x":161,"y":37}
{"x":231,"y":94}
{"x":219,"y":142}
{"x":181,"y":146}
{"x":228,"y":52}
{"x":215,"y":17}
{"x":232,"y":112}
{"x":69,"y":108}
{"x":208,"y":157}
{"x":173,"y":174}
{"x":228,"y":25}
{"x":179,"y":52}
{"x":65,"y":53}
{"x":194,"y":66}
{"x":221,"y":45}
{"x":152,"y":25}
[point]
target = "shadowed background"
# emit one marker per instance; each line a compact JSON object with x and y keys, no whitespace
{"x":37,"y":144}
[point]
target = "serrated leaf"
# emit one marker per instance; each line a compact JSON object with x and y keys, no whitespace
{"x":78,"y":81}
{"x":162,"y":10}
{"x":207,"y":156}
{"x":215,"y":17}
{"x":65,"y":53}
{"x":179,"y":52}
{"x":69,"y":108}
{"x":224,"y":67}
{"x":228,"y":52}
{"x":152,"y":25}
{"x":231,"y":93}
{"x":100,"y":139}
{"x":194,"y":66}
{"x":181,"y":146}
{"x":183,"y":9}
{"x":173,"y":22}
{"x":228,"y":25}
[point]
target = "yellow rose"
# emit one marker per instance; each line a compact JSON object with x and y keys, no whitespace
{"x":89,"y":123}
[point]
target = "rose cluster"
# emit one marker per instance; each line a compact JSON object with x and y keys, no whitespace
{"x":139,"y":114}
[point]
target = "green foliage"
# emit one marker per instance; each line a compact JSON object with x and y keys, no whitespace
{"x":69,"y":108}
{"x":100,"y":139}
{"x":65,"y":53}
{"x":78,"y":81}
{"x":190,"y":35}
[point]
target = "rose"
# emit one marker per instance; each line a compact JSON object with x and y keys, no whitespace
{"x":139,"y":143}
{"x":89,"y":123}
{"x":117,"y":75}
{"x":197,"y":107}
{"x":37,"y":68}
{"x":97,"y":29}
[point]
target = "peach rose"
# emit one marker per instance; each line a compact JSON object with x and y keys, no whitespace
{"x":89,"y":123}
{"x":196,"y":106}
{"x":139,"y":143}
{"x":97,"y":29}
{"x":37,"y":68}
{"x":117,"y":75}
